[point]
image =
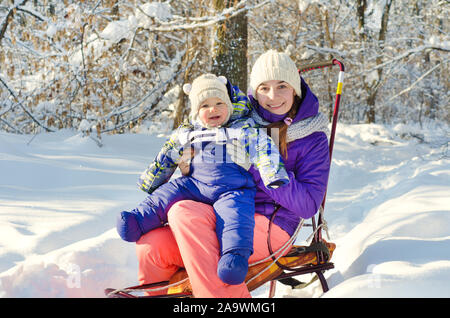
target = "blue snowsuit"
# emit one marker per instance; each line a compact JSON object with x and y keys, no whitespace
{"x":214,"y":179}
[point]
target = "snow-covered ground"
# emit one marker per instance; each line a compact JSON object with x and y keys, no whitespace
{"x":388,"y":211}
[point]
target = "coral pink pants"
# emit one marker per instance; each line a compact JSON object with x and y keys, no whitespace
{"x":190,"y":241}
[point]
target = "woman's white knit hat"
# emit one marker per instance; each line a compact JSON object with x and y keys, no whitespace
{"x":273,"y":65}
{"x":204,"y":87}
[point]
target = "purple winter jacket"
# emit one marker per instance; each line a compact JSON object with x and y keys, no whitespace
{"x":307,"y":165}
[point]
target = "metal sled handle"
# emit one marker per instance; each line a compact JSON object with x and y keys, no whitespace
{"x":314,"y":66}
{"x":318,"y":65}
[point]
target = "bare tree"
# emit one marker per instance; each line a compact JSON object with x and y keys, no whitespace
{"x":372,"y":88}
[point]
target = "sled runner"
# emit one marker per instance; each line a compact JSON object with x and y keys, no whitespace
{"x":300,"y":260}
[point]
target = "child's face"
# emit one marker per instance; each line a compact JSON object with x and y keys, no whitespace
{"x":213,"y":112}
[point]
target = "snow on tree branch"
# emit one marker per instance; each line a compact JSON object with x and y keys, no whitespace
{"x":14,"y":95}
{"x":183,"y":23}
{"x":419,"y":79}
{"x":9,"y":16}
{"x":417,"y":50}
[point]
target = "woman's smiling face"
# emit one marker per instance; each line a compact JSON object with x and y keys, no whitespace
{"x":275,"y":96}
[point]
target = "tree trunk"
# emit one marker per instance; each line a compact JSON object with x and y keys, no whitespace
{"x":372,"y":89}
{"x":371,"y":110}
{"x":229,"y":49}
{"x":379,"y":60}
{"x":181,"y":111}
{"x":360,"y":13}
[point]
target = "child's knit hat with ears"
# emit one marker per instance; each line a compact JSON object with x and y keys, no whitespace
{"x":206,"y":86}
{"x":273,"y":65}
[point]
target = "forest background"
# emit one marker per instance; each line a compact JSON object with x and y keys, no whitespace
{"x":115,"y":66}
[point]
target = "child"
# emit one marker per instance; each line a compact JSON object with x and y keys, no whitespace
{"x":214,"y":178}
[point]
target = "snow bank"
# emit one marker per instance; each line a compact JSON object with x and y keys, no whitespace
{"x":387,"y":210}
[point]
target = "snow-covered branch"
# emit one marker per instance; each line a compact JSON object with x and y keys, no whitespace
{"x":157,"y":92}
{"x":325,"y":50}
{"x":28,"y":112}
{"x":419,"y":79}
{"x":181,"y":24}
{"x":9,"y":16}
{"x":417,"y":50}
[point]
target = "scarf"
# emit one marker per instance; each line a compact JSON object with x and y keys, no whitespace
{"x":301,"y":128}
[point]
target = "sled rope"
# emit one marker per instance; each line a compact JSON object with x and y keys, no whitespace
{"x":323,"y":225}
{"x":284,"y":248}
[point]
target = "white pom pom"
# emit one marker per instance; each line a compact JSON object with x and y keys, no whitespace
{"x":187,"y":88}
{"x":223,"y":79}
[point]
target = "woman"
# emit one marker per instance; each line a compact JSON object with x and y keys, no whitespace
{"x":282,"y":102}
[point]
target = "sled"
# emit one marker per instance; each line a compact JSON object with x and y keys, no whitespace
{"x":282,"y":265}
{"x":299,"y":260}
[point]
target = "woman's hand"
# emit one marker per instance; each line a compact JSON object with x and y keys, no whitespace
{"x":185,"y":161}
